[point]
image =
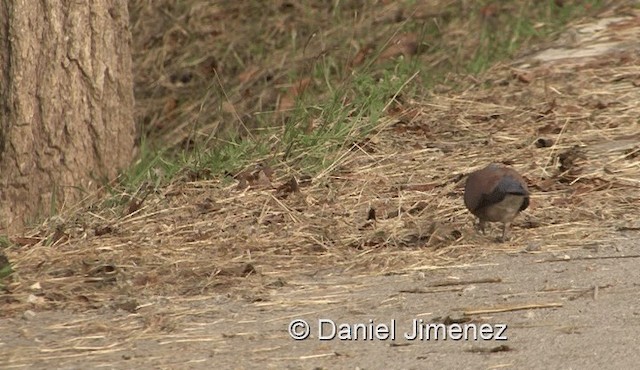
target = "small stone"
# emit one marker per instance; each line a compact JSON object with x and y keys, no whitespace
{"x":28,"y":315}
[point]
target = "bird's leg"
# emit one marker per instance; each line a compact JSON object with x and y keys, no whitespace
{"x":505,"y":231}
{"x":481,"y":226}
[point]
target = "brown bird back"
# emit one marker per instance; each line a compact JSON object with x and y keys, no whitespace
{"x":491,"y":185}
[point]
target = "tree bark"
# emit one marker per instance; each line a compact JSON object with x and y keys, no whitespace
{"x":66,"y":103}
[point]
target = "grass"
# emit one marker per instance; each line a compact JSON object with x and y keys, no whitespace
{"x":505,"y":30}
{"x":222,"y":92}
{"x":195,"y":135}
{"x":283,"y":46}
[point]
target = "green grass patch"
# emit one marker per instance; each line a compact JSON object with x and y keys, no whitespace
{"x":290,"y":42}
{"x":5,"y":266}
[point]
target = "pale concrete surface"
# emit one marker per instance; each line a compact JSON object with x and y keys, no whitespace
{"x":594,"y":328}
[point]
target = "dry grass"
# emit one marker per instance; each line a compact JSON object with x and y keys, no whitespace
{"x":205,"y":71}
{"x":224,"y":69}
{"x":197,"y":237}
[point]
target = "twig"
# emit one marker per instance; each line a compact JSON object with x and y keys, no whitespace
{"x":512,"y":308}
{"x":427,"y":291}
{"x":588,"y":258}
{"x":467,"y":282}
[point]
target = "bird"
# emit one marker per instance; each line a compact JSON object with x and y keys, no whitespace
{"x":496,"y":193}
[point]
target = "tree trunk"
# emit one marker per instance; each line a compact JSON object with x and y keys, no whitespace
{"x":66,"y":103}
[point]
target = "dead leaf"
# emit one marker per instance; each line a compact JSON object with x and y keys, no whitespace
{"x":227,"y":107}
{"x":523,"y":75}
{"x":489,"y":11}
{"x":259,"y":178}
{"x":241,"y":270}
{"x":134,"y":205}
{"x":25,"y":241}
{"x":551,"y":107}
{"x":288,"y":187}
{"x":288,"y":100}
{"x":403,"y":114}
{"x":208,"y":206}
{"x":545,"y":185}
{"x":568,"y":158}
{"x":169,"y":105}
{"x":263,"y":180}
{"x":361,"y":56}
{"x":248,"y":74}
{"x":405,"y":44}
{"x":268,"y":171}
{"x":99,"y":231}
{"x":549,"y":128}
{"x":129,"y":305}
{"x":368,"y":145}
{"x":209,"y":66}
{"x":396,"y":212}
{"x":243,"y":178}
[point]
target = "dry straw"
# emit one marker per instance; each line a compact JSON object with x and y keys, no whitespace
{"x":191,"y":238}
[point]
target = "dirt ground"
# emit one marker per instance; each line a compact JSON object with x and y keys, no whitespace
{"x":566,"y":287}
{"x":589,"y":318}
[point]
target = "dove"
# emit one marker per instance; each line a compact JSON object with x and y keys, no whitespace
{"x":496,"y":193}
